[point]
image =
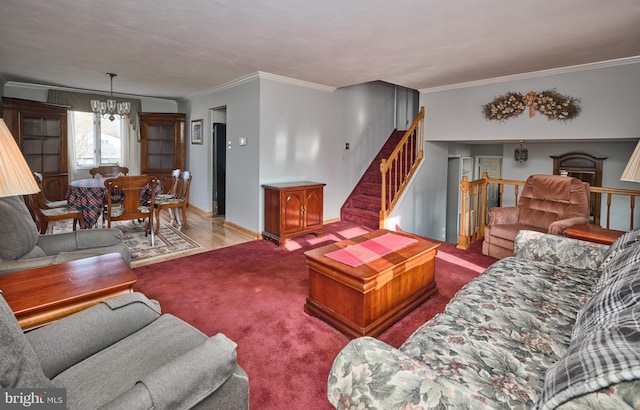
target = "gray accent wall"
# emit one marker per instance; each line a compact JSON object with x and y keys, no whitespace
{"x":609,"y":125}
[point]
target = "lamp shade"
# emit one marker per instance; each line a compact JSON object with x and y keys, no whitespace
{"x":632,"y":170}
{"x":15,"y":175}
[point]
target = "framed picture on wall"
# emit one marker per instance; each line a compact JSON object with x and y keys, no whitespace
{"x":196,"y":131}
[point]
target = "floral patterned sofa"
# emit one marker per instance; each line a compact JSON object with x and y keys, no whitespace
{"x":557,"y":325}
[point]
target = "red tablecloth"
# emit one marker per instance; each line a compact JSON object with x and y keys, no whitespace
{"x":88,"y":196}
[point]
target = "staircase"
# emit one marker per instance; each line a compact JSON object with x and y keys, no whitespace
{"x":363,"y":206}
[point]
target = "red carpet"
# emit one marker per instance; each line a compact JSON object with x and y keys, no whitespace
{"x":255,"y":293}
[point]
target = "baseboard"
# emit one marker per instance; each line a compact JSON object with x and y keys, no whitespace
{"x":242,"y":229}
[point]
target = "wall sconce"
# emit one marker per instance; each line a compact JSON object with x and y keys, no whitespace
{"x":521,"y":154}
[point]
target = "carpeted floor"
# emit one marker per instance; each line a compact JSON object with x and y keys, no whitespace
{"x":255,"y":293}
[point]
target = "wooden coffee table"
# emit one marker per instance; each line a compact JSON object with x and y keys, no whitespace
{"x":366,"y":300}
{"x":41,"y":295}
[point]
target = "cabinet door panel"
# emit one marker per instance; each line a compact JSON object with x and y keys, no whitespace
{"x":292,"y":211}
{"x":313,"y":206}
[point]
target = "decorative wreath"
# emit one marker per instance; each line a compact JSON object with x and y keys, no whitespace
{"x":550,"y":103}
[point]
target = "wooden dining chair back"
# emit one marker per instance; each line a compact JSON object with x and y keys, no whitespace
{"x":46,"y":211}
{"x":108,"y":171}
{"x":173,"y":185}
{"x":178,"y":202}
{"x":138,"y":197}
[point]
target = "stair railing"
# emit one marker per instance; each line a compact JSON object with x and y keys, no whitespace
{"x":398,"y":169}
{"x":474,"y":205}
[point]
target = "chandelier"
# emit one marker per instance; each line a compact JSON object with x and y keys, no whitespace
{"x":110,"y":109}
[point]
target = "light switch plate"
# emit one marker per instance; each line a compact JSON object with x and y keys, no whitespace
{"x":242,"y":141}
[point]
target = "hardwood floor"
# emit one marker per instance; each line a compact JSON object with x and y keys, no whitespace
{"x":210,"y":232}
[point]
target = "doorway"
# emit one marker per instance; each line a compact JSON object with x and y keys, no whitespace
{"x":219,"y":155}
{"x":493,"y":167}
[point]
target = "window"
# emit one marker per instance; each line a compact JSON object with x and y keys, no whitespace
{"x":97,"y":141}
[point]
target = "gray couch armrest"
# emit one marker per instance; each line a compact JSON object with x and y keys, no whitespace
{"x":185,"y":381}
{"x":7,"y":266}
{"x":78,"y":240}
{"x":72,"y":339}
{"x":559,"y":250}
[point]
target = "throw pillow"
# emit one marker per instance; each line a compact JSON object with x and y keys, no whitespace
{"x":605,"y":344}
{"x":625,"y":240}
{"x":622,"y":260}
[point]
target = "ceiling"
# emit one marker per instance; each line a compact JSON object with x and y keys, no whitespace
{"x":174,"y":49}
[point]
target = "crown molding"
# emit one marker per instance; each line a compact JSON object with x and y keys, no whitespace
{"x":535,"y":74}
{"x":263,"y":76}
{"x":293,"y":81}
{"x":81,"y":90}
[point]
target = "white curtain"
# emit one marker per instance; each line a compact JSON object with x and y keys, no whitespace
{"x":130,"y":149}
{"x":71,"y":147}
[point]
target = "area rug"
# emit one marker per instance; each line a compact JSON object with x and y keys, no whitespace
{"x":255,"y":294}
{"x":169,"y":241}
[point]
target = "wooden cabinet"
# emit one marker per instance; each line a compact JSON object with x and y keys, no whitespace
{"x":40,"y":129}
{"x":162,"y":139}
{"x":292,"y":209}
{"x":586,"y":168}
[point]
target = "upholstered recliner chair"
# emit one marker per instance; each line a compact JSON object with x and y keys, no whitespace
{"x":123,"y":354}
{"x":23,"y":247}
{"x":548,"y":204}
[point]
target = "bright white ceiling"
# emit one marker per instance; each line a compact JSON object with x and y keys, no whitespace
{"x":173,"y":49}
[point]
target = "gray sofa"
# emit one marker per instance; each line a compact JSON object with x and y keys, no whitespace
{"x":123,"y":354}
{"x":23,"y":247}
{"x":554,"y":326}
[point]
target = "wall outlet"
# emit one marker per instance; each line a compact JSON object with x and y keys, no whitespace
{"x":346,"y":145}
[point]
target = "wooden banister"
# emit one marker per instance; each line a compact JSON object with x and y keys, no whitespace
{"x":399,"y":168}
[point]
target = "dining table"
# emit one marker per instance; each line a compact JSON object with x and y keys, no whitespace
{"x":89,"y":197}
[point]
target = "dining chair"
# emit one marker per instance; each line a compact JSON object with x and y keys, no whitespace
{"x":138,"y":194}
{"x":179,"y":201}
{"x":109,"y":171}
{"x":47,"y":211}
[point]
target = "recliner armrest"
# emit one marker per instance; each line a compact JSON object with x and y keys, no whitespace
{"x":185,"y":381}
{"x":61,"y":344}
{"x":504,"y":215}
{"x":558,"y":227}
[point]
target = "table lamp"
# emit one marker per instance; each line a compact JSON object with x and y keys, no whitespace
{"x":632,"y":170}
{"x":16,"y":177}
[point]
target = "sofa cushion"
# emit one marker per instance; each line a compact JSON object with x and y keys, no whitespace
{"x":18,"y":235}
{"x":501,"y":331}
{"x":19,"y":365}
{"x":605,"y":344}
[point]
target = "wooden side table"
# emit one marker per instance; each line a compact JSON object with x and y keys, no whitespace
{"x":41,"y":295}
{"x":592,"y":233}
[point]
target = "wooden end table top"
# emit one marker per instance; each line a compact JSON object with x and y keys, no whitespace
{"x":41,"y":295}
{"x":592,"y":233}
